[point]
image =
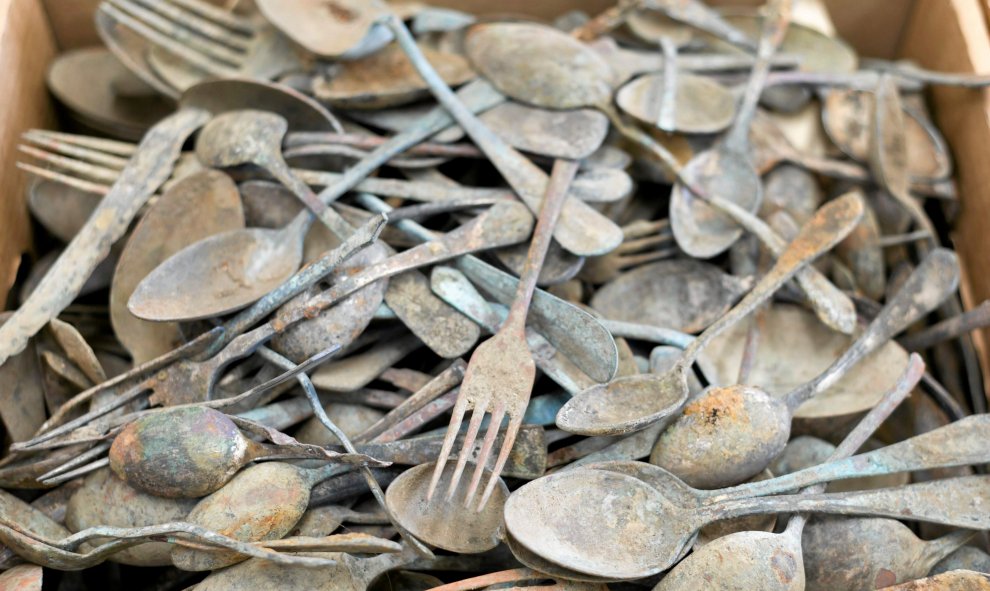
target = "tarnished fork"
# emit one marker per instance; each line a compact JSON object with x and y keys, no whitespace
{"x":210,"y":39}
{"x":643,"y":241}
{"x":499,"y":378}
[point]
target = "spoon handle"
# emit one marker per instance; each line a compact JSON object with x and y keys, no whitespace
{"x":931,"y":282}
{"x":775,"y":24}
{"x":830,"y":224}
{"x":957,"y":502}
{"x":475,"y":96}
{"x":937,"y":549}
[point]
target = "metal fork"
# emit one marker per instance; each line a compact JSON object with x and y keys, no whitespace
{"x":209,"y":39}
{"x":643,"y":242}
{"x":500,"y":375}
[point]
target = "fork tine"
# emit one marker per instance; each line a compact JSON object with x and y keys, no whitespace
{"x":643,"y":243}
{"x":93,"y":171}
{"x":456,"y":418}
{"x":237,"y":41}
{"x":76,"y":461}
{"x":59,"y":479}
{"x":153,"y":36}
{"x":515,"y":422}
{"x":114,"y":147}
{"x":472,"y":433}
{"x":498,"y":413}
{"x":173,"y":23}
{"x":87,"y":154}
{"x":217,"y":15}
{"x":64,"y":179}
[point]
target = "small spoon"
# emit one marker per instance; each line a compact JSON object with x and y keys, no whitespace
{"x":702,"y":105}
{"x":681,"y":294}
{"x":339,"y":29}
{"x":61,"y":209}
{"x":190,"y":452}
{"x":262,"y":502}
{"x":887,"y":553}
{"x":441,"y":523}
{"x":756,"y":426}
{"x":727,"y":169}
{"x":635,"y":402}
{"x":237,"y":138}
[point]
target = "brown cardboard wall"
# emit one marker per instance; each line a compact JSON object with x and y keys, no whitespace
{"x":26,"y":47}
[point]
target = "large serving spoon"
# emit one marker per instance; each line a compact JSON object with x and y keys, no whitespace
{"x":652,"y":529}
{"x":200,"y":205}
{"x":727,"y":170}
{"x":192,"y":451}
{"x":633,"y":403}
{"x":774,"y":561}
{"x":754,"y":425}
{"x":888,"y":552}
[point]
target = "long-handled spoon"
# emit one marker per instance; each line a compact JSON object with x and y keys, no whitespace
{"x":635,"y":402}
{"x":727,"y":170}
{"x":756,"y":426}
{"x":504,"y":224}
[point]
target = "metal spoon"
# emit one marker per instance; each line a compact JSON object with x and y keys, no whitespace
{"x":681,"y":294}
{"x":775,"y":561}
{"x":192,"y":451}
{"x":441,"y":523}
{"x":727,"y":170}
{"x":888,"y":553}
{"x":105,"y":499}
{"x":620,"y":508}
{"x":255,"y":137}
{"x":201,"y":205}
{"x":756,"y":426}
{"x":633,"y":403}
{"x":262,"y":502}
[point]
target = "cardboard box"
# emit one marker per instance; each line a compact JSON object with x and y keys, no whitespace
{"x":949,"y":35}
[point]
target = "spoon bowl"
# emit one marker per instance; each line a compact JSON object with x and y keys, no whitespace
{"x":441,"y":523}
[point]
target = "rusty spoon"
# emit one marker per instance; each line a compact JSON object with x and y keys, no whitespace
{"x":767,"y":560}
{"x":636,"y":402}
{"x":501,"y":371}
{"x":757,"y":425}
{"x":192,"y":451}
